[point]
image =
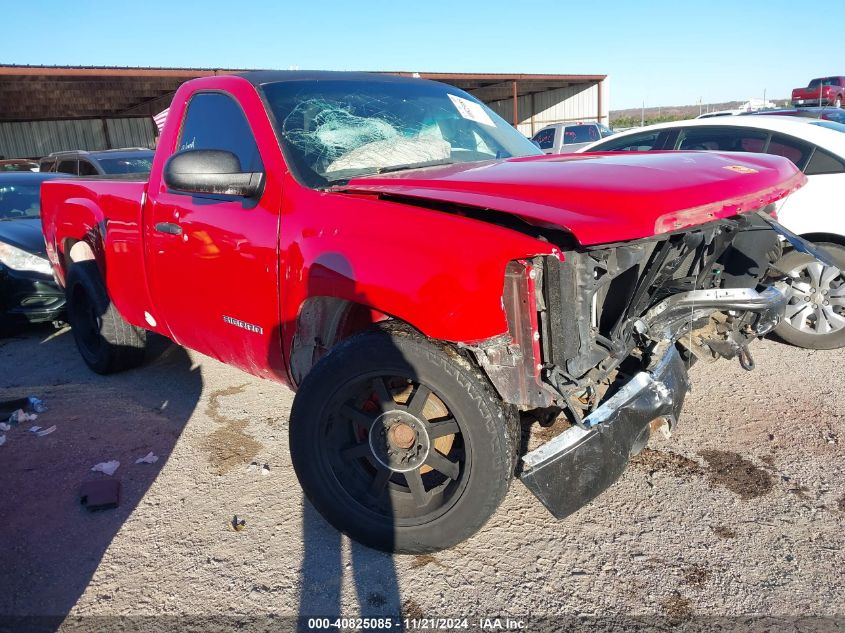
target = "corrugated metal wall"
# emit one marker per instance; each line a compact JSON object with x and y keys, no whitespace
{"x":33,"y":139}
{"x":576,"y":103}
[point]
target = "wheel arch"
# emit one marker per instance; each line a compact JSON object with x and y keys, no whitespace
{"x":80,"y":237}
{"x":322,"y":323}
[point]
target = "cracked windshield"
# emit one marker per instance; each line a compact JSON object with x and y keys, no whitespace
{"x":332,"y":131}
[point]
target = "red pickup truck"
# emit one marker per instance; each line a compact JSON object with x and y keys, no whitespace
{"x":420,"y":273}
{"x":823,"y":91}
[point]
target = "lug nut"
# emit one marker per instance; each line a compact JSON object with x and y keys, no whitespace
{"x":827,"y":303}
{"x":806,"y":298}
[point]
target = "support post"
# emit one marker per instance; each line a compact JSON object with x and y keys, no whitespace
{"x":598,"y":100}
{"x":106,"y":133}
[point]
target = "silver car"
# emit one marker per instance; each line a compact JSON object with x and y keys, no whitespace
{"x":566,"y":137}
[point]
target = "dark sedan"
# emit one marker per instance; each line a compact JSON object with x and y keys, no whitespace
{"x":28,"y":291}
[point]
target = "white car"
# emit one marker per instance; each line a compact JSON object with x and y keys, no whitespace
{"x":815,"y":317}
{"x":568,"y":137}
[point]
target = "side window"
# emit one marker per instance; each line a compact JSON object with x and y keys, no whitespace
{"x":604,"y":130}
{"x":580,"y":134}
{"x":545,"y":138}
{"x":824,"y":163}
{"x":793,"y":149}
{"x":724,"y":139}
{"x":47,"y":165}
{"x":215,"y":121}
{"x":87,"y":169}
{"x":634,"y":143}
{"x":67,"y":167}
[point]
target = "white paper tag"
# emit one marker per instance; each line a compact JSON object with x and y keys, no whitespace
{"x":472,"y":111}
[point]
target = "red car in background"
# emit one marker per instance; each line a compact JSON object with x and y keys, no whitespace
{"x":821,"y":91}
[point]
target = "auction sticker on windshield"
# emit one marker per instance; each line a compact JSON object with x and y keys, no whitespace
{"x":472,"y":111}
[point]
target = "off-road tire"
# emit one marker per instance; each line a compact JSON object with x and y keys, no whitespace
{"x":490,"y":432}
{"x":106,"y":342}
{"x":806,"y":340}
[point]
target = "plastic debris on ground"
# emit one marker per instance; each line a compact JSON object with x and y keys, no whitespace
{"x":4,"y":426}
{"x":107,"y":468}
{"x":238,"y":524}
{"x":2,"y":440}
{"x":36,"y":404}
{"x":149,"y":458}
{"x":46,"y":431}
{"x":265,"y":468}
{"x":20,"y":416}
{"x":100,"y":494}
{"x":34,"y":429}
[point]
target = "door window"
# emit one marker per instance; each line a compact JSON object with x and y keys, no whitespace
{"x":580,"y":134}
{"x":641,"y":142}
{"x":545,"y":138}
{"x":723,"y":139}
{"x":67,"y":167}
{"x":87,"y":169}
{"x":793,"y":149}
{"x":214,"y":120}
{"x":823,"y":162}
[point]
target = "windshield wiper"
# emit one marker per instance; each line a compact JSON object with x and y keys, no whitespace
{"x":427,"y":163}
{"x":345,"y":175}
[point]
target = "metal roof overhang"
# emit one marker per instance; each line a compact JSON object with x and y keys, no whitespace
{"x":32,"y":93}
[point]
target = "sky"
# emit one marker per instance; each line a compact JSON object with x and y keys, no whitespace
{"x":659,"y":53}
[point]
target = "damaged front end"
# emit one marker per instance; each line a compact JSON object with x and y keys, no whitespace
{"x":606,"y":335}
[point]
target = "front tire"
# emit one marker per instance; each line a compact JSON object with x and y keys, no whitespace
{"x":106,"y":342}
{"x":815,"y":315}
{"x":401,"y":443}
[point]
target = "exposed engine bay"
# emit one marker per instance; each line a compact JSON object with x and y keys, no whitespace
{"x":606,"y":335}
{"x":585,"y":323}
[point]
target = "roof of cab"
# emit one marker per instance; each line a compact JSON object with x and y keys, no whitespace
{"x":261,"y":77}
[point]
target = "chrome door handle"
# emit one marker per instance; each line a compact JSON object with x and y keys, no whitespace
{"x":169,"y":228}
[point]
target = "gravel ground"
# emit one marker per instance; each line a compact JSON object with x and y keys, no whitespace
{"x":739,"y":513}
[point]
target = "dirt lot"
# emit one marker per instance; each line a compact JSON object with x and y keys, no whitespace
{"x":740,"y":512}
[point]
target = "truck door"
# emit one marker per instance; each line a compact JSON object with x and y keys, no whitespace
{"x":213,"y":260}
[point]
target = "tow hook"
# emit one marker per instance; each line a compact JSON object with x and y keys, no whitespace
{"x":746,"y":361}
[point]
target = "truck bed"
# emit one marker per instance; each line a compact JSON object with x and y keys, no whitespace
{"x":81,"y":205}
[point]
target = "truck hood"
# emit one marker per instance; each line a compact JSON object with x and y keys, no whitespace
{"x":602,"y":197}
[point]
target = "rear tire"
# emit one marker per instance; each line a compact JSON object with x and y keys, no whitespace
{"x":400,"y":443}
{"x":813,"y":284}
{"x":106,"y":342}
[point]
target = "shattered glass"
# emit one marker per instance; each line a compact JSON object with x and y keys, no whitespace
{"x":332,"y":131}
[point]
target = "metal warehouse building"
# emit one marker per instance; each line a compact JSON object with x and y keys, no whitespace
{"x":45,"y":109}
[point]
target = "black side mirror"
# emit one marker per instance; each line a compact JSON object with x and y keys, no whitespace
{"x":212,"y":171}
